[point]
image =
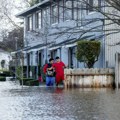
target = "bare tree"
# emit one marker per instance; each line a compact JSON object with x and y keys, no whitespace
{"x":9,"y":41}
{"x":108,"y":8}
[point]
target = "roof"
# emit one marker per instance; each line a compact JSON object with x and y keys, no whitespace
{"x":33,"y":8}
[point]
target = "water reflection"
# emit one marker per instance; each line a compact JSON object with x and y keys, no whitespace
{"x":41,"y":103}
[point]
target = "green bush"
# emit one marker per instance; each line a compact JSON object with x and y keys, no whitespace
{"x":88,"y":52}
{"x":25,"y":80}
{"x":32,"y":83}
{"x":2,"y":78}
{"x":4,"y":73}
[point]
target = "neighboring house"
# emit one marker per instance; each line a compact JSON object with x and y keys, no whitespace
{"x":6,"y":57}
{"x":53,"y":28}
{"x":112,"y":39}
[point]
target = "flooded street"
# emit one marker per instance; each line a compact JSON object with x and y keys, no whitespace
{"x":41,"y":103}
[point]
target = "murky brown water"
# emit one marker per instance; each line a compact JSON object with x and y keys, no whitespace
{"x":41,"y":103}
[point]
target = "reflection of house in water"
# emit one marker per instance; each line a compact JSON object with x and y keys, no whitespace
{"x":51,"y":29}
{"x":4,"y":56}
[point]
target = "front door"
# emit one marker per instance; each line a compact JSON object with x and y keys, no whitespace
{"x":70,"y":57}
{"x":28,"y":65}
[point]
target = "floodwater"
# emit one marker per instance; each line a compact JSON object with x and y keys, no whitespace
{"x":41,"y":103}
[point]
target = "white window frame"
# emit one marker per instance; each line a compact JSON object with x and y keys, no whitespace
{"x":38,"y":20}
{"x":54,"y":14}
{"x":67,"y":10}
{"x":30,"y":22}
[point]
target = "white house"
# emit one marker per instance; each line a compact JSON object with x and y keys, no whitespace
{"x":6,"y":57}
{"x":53,"y":27}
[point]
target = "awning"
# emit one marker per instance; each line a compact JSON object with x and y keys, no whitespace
{"x":20,"y":50}
{"x":70,"y":45}
{"x":36,"y":49}
{"x":54,"y":48}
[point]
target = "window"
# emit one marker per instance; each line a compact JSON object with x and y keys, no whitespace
{"x":30,"y":23}
{"x":61,"y":9}
{"x":90,"y":7}
{"x":45,"y":17}
{"x":77,"y":10}
{"x":93,"y":5}
{"x":38,"y":20}
{"x":68,"y":9}
{"x":54,"y":17}
{"x":97,"y":4}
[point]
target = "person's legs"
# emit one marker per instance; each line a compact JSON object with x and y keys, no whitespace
{"x":52,"y":81}
{"x":57,"y":79}
{"x":48,"y":81}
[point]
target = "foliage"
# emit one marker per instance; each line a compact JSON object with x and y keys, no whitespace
{"x":4,"y":73}
{"x":29,"y":82}
{"x":88,"y":52}
{"x":19,"y":72}
{"x":32,"y":83}
{"x":2,"y":78}
{"x":14,"y":37}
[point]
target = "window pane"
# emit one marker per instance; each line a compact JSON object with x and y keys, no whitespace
{"x":30,"y":23}
{"x":54,"y":14}
{"x":38,"y":20}
{"x":77,"y":10}
{"x":68,"y":9}
{"x":90,"y":5}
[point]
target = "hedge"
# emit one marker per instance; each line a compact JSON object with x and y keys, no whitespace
{"x":25,"y":80}
{"x":32,"y":83}
{"x":29,"y":82}
{"x":4,"y":73}
{"x":2,"y":78}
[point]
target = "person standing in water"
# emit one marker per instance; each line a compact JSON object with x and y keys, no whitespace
{"x":59,"y":69}
{"x":50,"y":73}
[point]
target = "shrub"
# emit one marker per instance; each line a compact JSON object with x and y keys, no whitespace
{"x":4,"y":73}
{"x":25,"y":80}
{"x":2,"y":78}
{"x":88,"y":52}
{"x":19,"y":72}
{"x":32,"y":83}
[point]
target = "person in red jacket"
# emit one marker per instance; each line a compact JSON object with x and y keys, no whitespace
{"x":59,"y":69}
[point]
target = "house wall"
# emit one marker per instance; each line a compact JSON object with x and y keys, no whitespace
{"x":40,"y":36}
{"x":112,"y":39}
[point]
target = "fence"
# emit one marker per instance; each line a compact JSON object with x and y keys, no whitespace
{"x":89,"y":78}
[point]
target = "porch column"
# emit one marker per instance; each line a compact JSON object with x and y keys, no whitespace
{"x":64,"y":55}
